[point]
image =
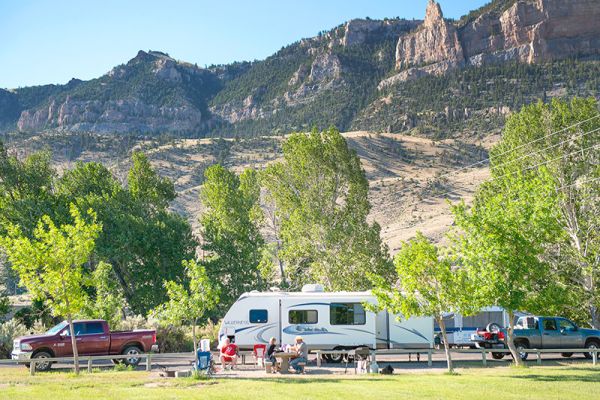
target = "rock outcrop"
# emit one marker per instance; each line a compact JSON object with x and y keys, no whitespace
{"x":359,"y":31}
{"x":529,"y":31}
{"x":117,"y":103}
{"x":128,"y":115}
{"x":434,"y":41}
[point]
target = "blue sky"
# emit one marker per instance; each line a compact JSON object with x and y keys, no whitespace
{"x":44,"y":41}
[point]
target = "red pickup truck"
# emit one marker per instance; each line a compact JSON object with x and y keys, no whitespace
{"x":93,"y":339}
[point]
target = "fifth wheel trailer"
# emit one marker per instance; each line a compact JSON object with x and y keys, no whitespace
{"x":326,"y":321}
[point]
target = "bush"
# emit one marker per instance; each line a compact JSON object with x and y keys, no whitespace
{"x":210,"y":331}
{"x":9,"y":330}
{"x":135,"y":322}
{"x":174,"y":339}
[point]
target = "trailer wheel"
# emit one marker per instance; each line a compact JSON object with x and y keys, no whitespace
{"x":335,"y":359}
{"x":566,"y":355}
{"x":497,"y":356}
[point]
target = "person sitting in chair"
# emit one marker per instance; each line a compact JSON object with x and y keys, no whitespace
{"x":229,"y":353}
{"x":270,"y":354}
{"x":301,"y":351}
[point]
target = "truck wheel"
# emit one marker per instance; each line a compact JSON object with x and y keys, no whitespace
{"x":520,"y":347}
{"x":132,"y":351}
{"x":43,"y":365}
{"x":566,"y":355}
{"x":591,"y":345}
{"x":497,"y":356}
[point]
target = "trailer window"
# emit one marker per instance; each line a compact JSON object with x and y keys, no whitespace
{"x":258,"y":316}
{"x":303,"y":316}
{"x":347,"y":314}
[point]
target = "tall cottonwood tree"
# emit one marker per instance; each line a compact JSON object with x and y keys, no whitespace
{"x":426,"y":284}
{"x":501,"y":242}
{"x":50,"y":265}
{"x":320,"y":194}
{"x":142,"y":239}
{"x":563,"y":139}
{"x":231,"y":241}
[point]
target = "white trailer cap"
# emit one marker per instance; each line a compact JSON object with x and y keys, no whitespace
{"x":313,"y":287}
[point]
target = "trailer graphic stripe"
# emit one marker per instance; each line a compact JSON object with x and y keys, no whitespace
{"x":413,"y":331}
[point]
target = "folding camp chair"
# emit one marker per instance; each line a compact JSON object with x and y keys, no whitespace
{"x":362,"y":359}
{"x":259,"y":352}
{"x":205,"y":363}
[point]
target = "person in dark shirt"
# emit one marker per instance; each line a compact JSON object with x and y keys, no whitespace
{"x":271,"y":350}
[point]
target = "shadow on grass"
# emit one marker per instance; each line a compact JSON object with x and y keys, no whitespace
{"x":561,"y":377}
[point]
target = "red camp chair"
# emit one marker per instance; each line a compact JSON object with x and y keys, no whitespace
{"x":259,"y":354}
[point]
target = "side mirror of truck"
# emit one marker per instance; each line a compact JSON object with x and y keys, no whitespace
{"x":63,"y":334}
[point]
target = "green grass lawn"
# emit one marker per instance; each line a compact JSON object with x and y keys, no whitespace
{"x":572,"y":382}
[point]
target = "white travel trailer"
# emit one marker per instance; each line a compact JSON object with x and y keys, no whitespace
{"x":326,"y":321}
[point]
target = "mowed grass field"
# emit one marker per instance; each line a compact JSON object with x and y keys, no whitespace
{"x":573,"y":382}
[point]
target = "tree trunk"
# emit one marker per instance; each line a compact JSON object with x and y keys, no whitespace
{"x":195,"y":341}
{"x":595,"y":314}
{"x":73,"y":343}
{"x":510,"y":339}
{"x":442,"y":325}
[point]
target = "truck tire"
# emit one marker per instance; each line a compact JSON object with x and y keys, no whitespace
{"x":132,"y":351}
{"x":566,"y":355}
{"x":520,"y":347}
{"x":497,"y":356}
{"x":42,"y":366}
{"x":592,"y":344}
{"x":493,"y":327}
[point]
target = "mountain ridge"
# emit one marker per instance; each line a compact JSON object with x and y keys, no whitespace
{"x":345,"y":77}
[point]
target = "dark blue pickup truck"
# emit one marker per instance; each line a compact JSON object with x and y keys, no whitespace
{"x":542,"y":333}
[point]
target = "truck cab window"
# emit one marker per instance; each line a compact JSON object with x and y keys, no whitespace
{"x":258,"y":316}
{"x":549,"y":324}
{"x":94,"y":328}
{"x":303,"y":316}
{"x":566,"y":325}
{"x":347,"y":314}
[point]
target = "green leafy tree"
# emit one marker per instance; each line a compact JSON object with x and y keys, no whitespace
{"x":320,"y":195}
{"x":426,"y":285}
{"x":561,"y":139}
{"x":142,"y":240}
{"x":51,"y":264}
{"x":230,"y":234}
{"x":26,"y":190}
{"x":106,"y":302}
{"x":189,"y":304}
{"x":501,"y":241}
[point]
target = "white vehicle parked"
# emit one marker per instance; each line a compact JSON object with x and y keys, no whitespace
{"x":326,"y":321}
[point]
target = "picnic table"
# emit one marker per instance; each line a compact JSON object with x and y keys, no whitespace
{"x":285,"y":360}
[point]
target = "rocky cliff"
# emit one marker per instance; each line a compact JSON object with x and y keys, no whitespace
{"x":364,"y":74}
{"x":529,"y":31}
{"x":151,"y":93}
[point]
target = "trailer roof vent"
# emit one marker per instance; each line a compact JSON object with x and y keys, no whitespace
{"x":313,"y":287}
